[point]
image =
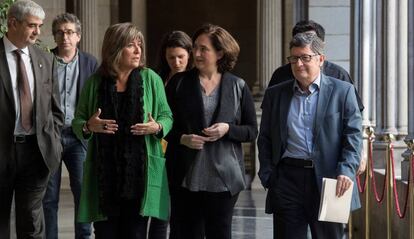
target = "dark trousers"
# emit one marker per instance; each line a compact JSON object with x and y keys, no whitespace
{"x":25,"y":175}
{"x":201,"y":214}
{"x":74,"y":153}
{"x":157,"y":229}
{"x":128,"y":225}
{"x":297,"y":205}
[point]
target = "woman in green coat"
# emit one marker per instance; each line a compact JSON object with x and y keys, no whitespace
{"x":123,"y":113}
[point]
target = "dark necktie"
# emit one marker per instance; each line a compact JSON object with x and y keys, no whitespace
{"x":26,"y":105}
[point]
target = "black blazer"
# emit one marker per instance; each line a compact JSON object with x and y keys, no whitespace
{"x":235,"y":107}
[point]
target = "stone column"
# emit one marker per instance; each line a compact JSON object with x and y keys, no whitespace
{"x":87,"y":11}
{"x":269,"y":25}
{"x":269,"y":39}
{"x":393,"y":83}
{"x":410,"y":135}
{"x":139,"y":15}
{"x":402,"y":67}
{"x":368,"y":62}
{"x":389,"y":87}
{"x":365,"y":63}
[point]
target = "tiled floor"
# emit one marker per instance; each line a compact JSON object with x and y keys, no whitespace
{"x":249,"y":221}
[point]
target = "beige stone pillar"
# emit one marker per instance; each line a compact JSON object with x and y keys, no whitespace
{"x":393,"y":102}
{"x":139,"y":15}
{"x":368,"y":61}
{"x":410,"y":56}
{"x":269,"y":20}
{"x":389,"y":86}
{"x":87,"y":11}
{"x":269,"y":39}
{"x":402,"y":67}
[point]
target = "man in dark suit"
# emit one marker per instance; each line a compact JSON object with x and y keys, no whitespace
{"x":310,"y":129}
{"x":73,"y":67}
{"x":284,"y":73}
{"x":30,"y":146}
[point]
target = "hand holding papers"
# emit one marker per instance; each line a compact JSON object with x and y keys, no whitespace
{"x":333,"y":208}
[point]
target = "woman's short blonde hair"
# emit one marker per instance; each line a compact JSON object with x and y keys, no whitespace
{"x":116,"y":38}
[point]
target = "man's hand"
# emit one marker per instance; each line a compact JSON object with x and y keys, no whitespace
{"x":343,"y":183}
{"x":362,"y":166}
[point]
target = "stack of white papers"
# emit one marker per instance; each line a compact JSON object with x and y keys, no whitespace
{"x":333,"y":208}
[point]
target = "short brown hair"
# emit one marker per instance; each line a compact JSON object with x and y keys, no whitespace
{"x":116,"y":38}
{"x":221,"y":41}
{"x":66,"y":18}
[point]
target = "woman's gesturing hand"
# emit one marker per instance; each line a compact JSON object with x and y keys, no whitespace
{"x":151,"y":127}
{"x":216,"y":131}
{"x":98,"y":125}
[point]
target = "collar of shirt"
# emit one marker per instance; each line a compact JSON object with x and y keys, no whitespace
{"x":62,"y":62}
{"x":316,"y":84}
{"x":9,"y":47}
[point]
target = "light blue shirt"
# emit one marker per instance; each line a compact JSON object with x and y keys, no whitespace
{"x":68,"y":74}
{"x":301,"y":121}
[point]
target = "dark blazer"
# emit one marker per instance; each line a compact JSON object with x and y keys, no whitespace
{"x":48,"y":116}
{"x":235,"y":107}
{"x":337,"y":133}
{"x":87,"y":66}
{"x":284,"y":73}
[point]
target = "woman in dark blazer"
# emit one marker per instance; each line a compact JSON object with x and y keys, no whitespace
{"x":213,"y":114}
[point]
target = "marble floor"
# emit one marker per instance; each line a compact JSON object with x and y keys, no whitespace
{"x":249,"y":220}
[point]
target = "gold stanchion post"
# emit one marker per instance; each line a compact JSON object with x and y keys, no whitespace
{"x":371,"y":136}
{"x":410,"y":144}
{"x":389,"y":181}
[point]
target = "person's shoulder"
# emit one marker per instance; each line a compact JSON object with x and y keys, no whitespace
{"x":283,"y":86}
{"x":93,"y":81}
{"x":228,"y":76}
{"x":281,"y":74}
{"x":332,"y":65}
{"x":87,"y":56}
{"x":336,"y":71}
{"x":40,"y":52}
{"x":338,"y":83}
{"x":148,"y":73}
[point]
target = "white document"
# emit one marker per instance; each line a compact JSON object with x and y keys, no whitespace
{"x":333,"y":208}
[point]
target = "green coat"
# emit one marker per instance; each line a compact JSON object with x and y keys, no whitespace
{"x":155,"y":202}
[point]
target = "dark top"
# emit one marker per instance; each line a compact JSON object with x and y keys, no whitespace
{"x":235,"y":107}
{"x":284,"y":73}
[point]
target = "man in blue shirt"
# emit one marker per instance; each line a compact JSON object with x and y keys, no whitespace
{"x":310,"y":129}
{"x":74,"y":67}
{"x":284,"y":73}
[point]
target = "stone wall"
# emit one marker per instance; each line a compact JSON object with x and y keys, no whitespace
{"x":334,"y":16}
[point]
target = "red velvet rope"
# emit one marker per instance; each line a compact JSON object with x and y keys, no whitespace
{"x":361,"y":188}
{"x":396,"y":198}
{"x":374,"y":183}
{"x":412,"y":166}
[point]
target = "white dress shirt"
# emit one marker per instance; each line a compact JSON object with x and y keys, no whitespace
{"x":9,"y":47}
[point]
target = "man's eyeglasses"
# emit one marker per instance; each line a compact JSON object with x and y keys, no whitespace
{"x":69,"y":33}
{"x":303,"y":58}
